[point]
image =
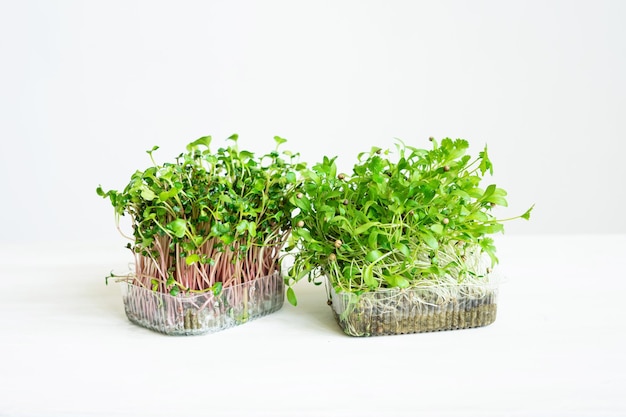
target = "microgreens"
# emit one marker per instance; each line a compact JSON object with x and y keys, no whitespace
{"x":210,"y":219}
{"x":419,"y":218}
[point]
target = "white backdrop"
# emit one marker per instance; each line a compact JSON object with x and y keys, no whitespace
{"x":87,"y":87}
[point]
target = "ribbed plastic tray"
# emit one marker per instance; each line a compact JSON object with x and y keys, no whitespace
{"x":415,"y":310}
{"x":205,"y":312}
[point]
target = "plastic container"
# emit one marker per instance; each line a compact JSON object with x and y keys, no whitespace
{"x":206,"y":312}
{"x":415,"y":310}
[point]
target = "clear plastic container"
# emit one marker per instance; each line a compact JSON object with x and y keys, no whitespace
{"x":415,"y":310}
{"x":206,"y":312}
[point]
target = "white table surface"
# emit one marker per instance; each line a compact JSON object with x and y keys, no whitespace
{"x":557,"y":348}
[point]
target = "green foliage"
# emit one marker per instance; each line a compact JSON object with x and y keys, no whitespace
{"x":421,"y":217}
{"x":291,"y":296}
{"x":187,"y":212}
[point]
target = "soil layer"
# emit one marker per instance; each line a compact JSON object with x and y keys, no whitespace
{"x":393,"y":316}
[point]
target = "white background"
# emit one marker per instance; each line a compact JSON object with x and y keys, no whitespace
{"x":556,"y":348}
{"x":87,"y":87}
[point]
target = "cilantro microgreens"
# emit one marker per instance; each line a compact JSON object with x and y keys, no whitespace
{"x":422,"y":217}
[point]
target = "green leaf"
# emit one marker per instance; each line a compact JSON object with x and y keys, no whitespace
{"x":476,"y":192}
{"x":279,"y":141}
{"x":291,"y":297}
{"x":349,"y":272}
{"x":368,"y":276}
{"x":147,"y":194}
{"x":333,"y":170}
{"x":311,"y":175}
{"x":402,"y":248}
{"x":291,"y":177}
{"x":489,"y":228}
{"x":302,"y":203}
{"x":478,"y":215}
{"x":217,"y":288}
{"x":203,"y":141}
{"x":192,"y":259}
{"x":526,"y":216}
{"x":166,"y":195}
{"x":259,"y":184}
{"x":489,"y":248}
{"x":198,"y":240}
{"x":252,"y":229}
{"x":500,"y":192}
{"x":303,"y":233}
{"x":372,"y":239}
{"x":430,"y":241}
{"x":242,"y":226}
{"x":494,"y":195}
{"x":496,"y":199}
{"x":219,"y":229}
{"x":343,"y":222}
{"x":488,"y":192}
{"x":227,"y":238}
{"x":365,"y":227}
{"x":485,"y":163}
{"x":178,"y":227}
{"x":461,"y":194}
{"x":390,"y":279}
{"x":457,"y":149}
{"x":175,"y":291}
{"x":402,"y":282}
{"x":437,"y":228}
{"x":373,"y":255}
{"x":246,"y":155}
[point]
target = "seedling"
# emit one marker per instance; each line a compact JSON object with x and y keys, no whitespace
{"x":418,"y":219}
{"x":209,"y":220}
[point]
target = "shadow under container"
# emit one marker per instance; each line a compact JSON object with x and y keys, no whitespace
{"x":427,"y":308}
{"x":196,"y":314}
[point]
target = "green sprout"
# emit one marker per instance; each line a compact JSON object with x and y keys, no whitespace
{"x":422,"y":217}
{"x":210,"y":219}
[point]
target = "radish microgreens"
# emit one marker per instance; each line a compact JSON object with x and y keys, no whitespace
{"x":209,"y":219}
